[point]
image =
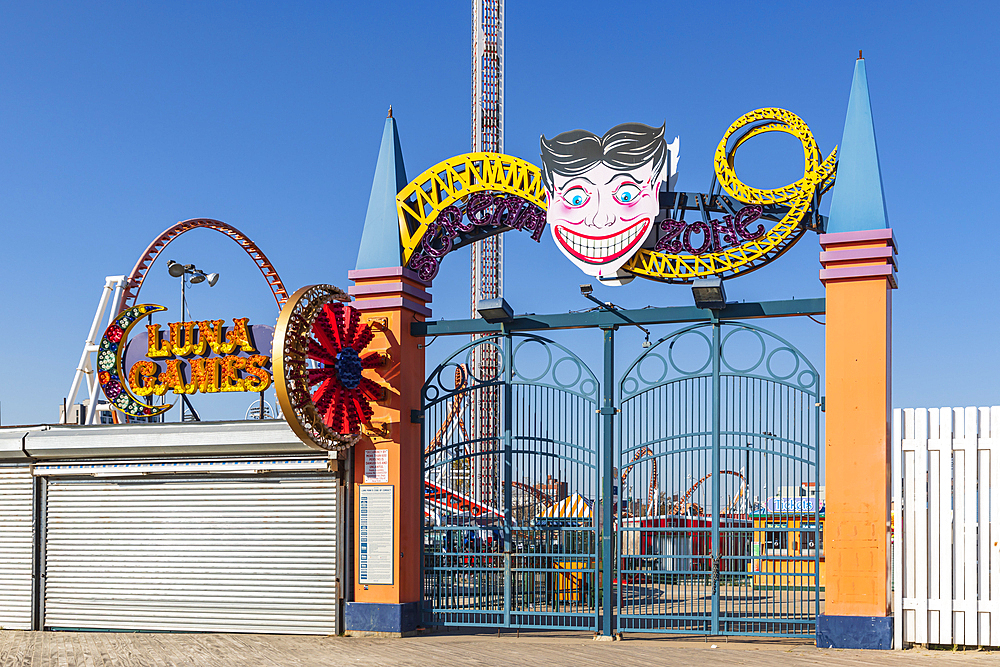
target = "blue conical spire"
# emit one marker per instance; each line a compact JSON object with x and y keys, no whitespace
{"x":380,"y":246}
{"x":858,"y":201}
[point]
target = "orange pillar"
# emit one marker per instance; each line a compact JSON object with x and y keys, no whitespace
{"x":859,"y":272}
{"x":390,"y":299}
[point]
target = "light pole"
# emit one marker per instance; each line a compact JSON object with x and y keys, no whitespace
{"x":770,"y":440}
{"x":183,"y":271}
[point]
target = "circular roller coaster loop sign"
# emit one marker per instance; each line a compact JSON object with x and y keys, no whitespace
{"x":757,"y":227}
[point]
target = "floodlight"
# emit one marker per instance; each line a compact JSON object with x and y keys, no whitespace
{"x":586,"y":291}
{"x":495,"y":310}
{"x":709,"y":293}
{"x":182,"y":271}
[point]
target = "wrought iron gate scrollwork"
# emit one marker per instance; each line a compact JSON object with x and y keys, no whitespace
{"x":509,"y":532}
{"x":716,"y":502}
{"x":719,"y":522}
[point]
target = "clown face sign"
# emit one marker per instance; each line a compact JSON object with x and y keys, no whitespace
{"x":603,"y":194}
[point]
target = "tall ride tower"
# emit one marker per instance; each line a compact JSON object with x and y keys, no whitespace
{"x":487,"y":133}
{"x":487,"y":255}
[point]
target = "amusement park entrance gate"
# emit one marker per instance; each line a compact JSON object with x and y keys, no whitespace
{"x":707,"y":445}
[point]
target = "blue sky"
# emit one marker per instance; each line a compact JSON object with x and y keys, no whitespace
{"x":119,"y":119}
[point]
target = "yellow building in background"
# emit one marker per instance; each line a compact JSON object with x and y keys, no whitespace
{"x":787,"y":551}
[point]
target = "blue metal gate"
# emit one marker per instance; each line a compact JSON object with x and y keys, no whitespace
{"x":720,"y":516}
{"x":510,"y":532}
{"x":714,"y":524}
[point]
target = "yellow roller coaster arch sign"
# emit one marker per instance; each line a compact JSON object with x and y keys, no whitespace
{"x":722,"y":253}
{"x":420,"y":202}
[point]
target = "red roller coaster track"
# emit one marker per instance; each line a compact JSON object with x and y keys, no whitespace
{"x":653,"y":478}
{"x":694,"y":486}
{"x":134,"y":282}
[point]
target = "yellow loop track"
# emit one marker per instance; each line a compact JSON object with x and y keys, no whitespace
{"x":798,"y":196}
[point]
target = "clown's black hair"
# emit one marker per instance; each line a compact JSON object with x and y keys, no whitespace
{"x":623,"y":146}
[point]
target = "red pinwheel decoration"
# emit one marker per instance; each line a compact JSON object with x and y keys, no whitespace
{"x":319,"y":358}
{"x":343,"y":394}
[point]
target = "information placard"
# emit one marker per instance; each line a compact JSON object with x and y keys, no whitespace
{"x":376,"y":466}
{"x":375,"y":543}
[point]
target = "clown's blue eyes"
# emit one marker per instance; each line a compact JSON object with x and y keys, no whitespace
{"x":576,"y":197}
{"x":627,"y":193}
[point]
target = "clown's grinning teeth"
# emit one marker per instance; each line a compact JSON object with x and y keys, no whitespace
{"x":601,"y":249}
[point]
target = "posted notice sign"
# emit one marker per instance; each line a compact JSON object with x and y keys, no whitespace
{"x":376,"y":466}
{"x":375,"y":542}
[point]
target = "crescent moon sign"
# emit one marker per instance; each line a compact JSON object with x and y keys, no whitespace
{"x":111,"y":375}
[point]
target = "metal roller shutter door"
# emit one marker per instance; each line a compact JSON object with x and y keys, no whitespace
{"x":247,"y":555}
{"x":15,"y":548}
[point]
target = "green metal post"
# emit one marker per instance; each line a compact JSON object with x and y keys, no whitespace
{"x":508,"y":467}
{"x":608,"y":481}
{"x":817,"y":481}
{"x":716,"y":465}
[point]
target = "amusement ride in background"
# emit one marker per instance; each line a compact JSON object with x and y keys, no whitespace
{"x":487,"y":254}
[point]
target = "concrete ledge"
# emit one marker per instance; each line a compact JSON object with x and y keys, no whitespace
{"x":869,"y":632}
{"x":380,"y":619}
{"x":268,"y":437}
{"x":391,"y":289}
{"x":860,"y":236}
{"x":391,"y":302}
{"x":387,"y":272}
{"x":887,"y":271}
{"x":828,"y":257}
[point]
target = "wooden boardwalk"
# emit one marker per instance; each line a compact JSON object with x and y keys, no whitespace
{"x":102,"y":649}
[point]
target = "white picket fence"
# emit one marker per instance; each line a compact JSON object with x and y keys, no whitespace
{"x":946,"y":558}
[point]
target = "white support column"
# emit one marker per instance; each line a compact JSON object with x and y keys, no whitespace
{"x":112,"y":291}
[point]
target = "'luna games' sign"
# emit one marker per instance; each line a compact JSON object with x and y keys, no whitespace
{"x":206,"y":356}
